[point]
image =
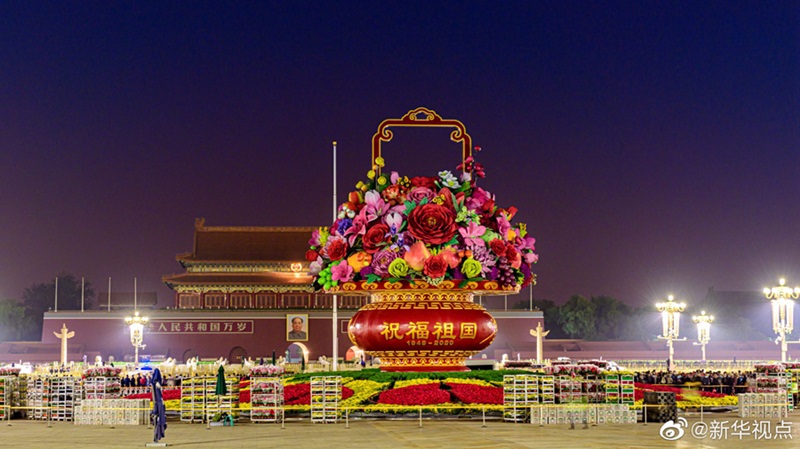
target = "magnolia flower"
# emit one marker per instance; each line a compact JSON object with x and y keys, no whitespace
{"x":376,"y":207}
{"x":315,"y":267}
{"x":394,"y":220}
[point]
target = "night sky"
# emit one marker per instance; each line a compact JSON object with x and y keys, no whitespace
{"x":652,"y":147}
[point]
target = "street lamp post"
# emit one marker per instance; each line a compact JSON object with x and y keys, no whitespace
{"x":782,"y":300}
{"x":671,"y":322}
{"x":136,"y":324}
{"x":703,"y":322}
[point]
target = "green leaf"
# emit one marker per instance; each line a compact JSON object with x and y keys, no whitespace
{"x":372,"y":278}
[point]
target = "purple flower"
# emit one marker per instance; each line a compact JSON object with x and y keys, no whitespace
{"x":381,"y":261}
{"x":344,"y":224}
{"x":485,"y":257}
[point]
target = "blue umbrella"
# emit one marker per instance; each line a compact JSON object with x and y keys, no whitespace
{"x":159,"y":412}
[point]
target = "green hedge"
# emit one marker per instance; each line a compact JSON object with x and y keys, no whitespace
{"x":378,"y":376}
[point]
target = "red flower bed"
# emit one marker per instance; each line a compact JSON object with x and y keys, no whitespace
{"x":476,"y":394}
{"x":244,"y":396}
{"x":427,"y":394}
{"x":174,"y":393}
{"x":300,"y":394}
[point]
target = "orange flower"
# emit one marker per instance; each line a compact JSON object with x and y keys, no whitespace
{"x":359,"y":260}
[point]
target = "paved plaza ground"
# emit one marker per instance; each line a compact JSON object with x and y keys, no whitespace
{"x":434,"y":433}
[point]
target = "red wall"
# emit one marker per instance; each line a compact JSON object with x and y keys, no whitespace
{"x":107,"y":333}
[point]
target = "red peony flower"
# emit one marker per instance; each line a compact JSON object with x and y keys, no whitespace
{"x":423,"y":181}
{"x":311,"y":255}
{"x":337,"y":249}
{"x":374,"y":237}
{"x":498,"y":247}
{"x":432,"y":223}
{"x":435,"y":266}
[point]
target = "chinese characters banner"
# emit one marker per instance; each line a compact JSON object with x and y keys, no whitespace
{"x":200,"y":326}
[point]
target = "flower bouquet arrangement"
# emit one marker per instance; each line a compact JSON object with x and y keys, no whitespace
{"x":102,"y":371}
{"x":432,"y":229}
{"x":768,"y":368}
{"x":266,"y":371}
{"x":566,"y":370}
{"x":9,"y":371}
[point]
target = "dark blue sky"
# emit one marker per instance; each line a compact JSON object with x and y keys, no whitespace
{"x":652,"y":147}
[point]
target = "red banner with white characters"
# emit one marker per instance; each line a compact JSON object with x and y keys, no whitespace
{"x":156,"y":326}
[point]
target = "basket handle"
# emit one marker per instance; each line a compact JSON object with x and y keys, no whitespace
{"x":421,"y":117}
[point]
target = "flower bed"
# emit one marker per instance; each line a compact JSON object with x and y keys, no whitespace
{"x":476,"y":394}
{"x":423,"y":394}
{"x":9,"y":371}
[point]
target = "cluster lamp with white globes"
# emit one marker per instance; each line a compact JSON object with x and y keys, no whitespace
{"x":136,"y":324}
{"x":670,"y":321}
{"x":782,"y":301}
{"x":703,"y":322}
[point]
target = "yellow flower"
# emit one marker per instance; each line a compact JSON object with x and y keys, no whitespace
{"x":380,"y":162}
{"x":371,"y":174}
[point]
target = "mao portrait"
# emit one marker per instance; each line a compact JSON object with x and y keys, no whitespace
{"x":297,"y":327}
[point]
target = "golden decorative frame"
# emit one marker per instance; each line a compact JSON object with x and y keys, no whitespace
{"x":420,"y":117}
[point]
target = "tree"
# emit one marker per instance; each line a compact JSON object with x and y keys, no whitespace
{"x":610,"y":317}
{"x":40,"y":298}
{"x":642,"y":324}
{"x":551,"y":313}
{"x":577,"y":318}
{"x":13,"y":321}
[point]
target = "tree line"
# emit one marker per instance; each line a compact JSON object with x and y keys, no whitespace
{"x":22,"y":320}
{"x":603,"y":318}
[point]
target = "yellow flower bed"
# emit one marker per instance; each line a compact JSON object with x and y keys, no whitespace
{"x":410,"y":382}
{"x":362,"y":391}
{"x":455,"y":380}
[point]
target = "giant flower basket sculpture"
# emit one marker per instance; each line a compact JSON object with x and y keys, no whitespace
{"x":422,"y":248}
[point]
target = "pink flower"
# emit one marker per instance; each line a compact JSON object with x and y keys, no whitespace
{"x":527,"y":242}
{"x":504,"y":228}
{"x":358,"y":228}
{"x":472,"y":234}
{"x":376,"y":207}
{"x":315,"y":238}
{"x":416,"y":255}
{"x":342,"y":272}
{"x":418,"y":194}
{"x":478,"y":199}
